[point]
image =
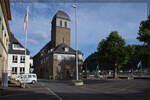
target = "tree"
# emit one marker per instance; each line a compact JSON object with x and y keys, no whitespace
{"x":90,"y":62}
{"x":113,"y":51}
{"x":144,"y":31}
{"x":144,"y":36}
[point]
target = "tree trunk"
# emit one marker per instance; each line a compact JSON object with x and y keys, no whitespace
{"x":116,"y":72}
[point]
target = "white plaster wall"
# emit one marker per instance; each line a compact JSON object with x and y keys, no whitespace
{"x":31,"y":62}
{"x":5,"y":40}
{"x":63,"y":22}
{"x":18,"y":64}
{"x":66,"y":56}
{"x":5,"y":31}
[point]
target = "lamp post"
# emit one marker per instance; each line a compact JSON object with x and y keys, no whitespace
{"x":76,"y":44}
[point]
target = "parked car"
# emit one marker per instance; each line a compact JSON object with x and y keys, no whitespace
{"x":27,"y":78}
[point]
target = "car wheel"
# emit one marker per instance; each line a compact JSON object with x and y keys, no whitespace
{"x":33,"y":82}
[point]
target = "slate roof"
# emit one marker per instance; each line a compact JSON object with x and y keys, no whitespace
{"x":61,"y":49}
{"x":13,"y":40}
{"x":61,"y":14}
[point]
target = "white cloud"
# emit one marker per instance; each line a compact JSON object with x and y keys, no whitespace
{"x":32,"y":42}
{"x":39,"y":36}
{"x":95,"y":21}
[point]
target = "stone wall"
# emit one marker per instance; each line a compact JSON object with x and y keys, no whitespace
{"x":68,"y":69}
{"x":62,"y":36}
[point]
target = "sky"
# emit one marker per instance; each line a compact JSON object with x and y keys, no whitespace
{"x":94,"y":22}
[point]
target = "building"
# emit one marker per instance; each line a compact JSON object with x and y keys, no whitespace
{"x":5,"y":15}
{"x":56,"y":60}
{"x":31,"y":65}
{"x":17,"y":62}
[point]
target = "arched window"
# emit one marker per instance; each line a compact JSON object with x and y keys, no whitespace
{"x":61,"y":23}
{"x":65,"y":24}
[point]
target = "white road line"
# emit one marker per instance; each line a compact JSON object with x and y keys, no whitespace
{"x":54,"y":93}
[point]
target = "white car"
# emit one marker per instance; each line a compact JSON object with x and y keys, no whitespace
{"x":28,"y":78}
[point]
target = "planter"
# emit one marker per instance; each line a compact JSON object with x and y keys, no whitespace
{"x":78,"y":83}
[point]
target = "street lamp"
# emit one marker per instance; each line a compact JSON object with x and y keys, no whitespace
{"x":75,"y":7}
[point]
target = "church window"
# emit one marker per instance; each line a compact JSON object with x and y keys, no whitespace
{"x":65,"y":24}
{"x":61,"y":23}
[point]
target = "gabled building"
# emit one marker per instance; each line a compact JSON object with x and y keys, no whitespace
{"x":5,"y":16}
{"x":56,"y":60}
{"x":17,"y":62}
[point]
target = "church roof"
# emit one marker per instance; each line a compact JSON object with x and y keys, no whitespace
{"x":62,"y":14}
{"x":58,"y":49}
{"x":61,"y":49}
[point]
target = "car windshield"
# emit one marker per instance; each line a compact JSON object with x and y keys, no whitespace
{"x":33,"y":76}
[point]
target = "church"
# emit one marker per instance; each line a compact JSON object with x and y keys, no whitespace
{"x":56,"y":60}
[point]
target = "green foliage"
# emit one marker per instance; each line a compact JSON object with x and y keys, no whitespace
{"x":144,"y":36}
{"x":143,"y":54}
{"x":144,"y":31}
{"x":113,"y":50}
{"x":86,"y":74}
{"x":90,"y":62}
{"x":77,"y":81}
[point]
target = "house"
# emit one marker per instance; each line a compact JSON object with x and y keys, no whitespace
{"x":5,"y":16}
{"x":17,"y":62}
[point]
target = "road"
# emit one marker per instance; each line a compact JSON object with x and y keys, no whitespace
{"x":101,"y":90}
{"x":92,"y":90}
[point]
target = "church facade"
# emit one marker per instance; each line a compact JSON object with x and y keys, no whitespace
{"x":56,"y":60}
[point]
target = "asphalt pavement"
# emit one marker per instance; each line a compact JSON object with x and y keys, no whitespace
{"x":101,"y":89}
{"x":91,"y":90}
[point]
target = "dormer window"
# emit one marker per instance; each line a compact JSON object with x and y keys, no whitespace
{"x":51,"y":50}
{"x":66,"y":49}
{"x":16,"y":46}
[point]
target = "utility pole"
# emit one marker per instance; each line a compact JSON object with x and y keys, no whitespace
{"x":76,"y":41}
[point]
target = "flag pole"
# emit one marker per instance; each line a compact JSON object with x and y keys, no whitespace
{"x":26,"y":37}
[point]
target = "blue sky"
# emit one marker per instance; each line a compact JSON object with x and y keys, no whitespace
{"x":95,"y":22}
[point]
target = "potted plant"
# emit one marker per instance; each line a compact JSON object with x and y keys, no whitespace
{"x":77,"y":82}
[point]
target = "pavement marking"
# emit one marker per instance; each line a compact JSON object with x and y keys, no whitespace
{"x":54,"y":93}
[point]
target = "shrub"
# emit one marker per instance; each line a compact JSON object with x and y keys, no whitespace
{"x":77,"y":81}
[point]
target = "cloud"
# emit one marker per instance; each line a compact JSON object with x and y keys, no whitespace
{"x":39,"y":36}
{"x":32,"y":42}
{"x":95,"y":22}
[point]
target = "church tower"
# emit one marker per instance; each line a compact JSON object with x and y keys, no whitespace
{"x":60,"y":32}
